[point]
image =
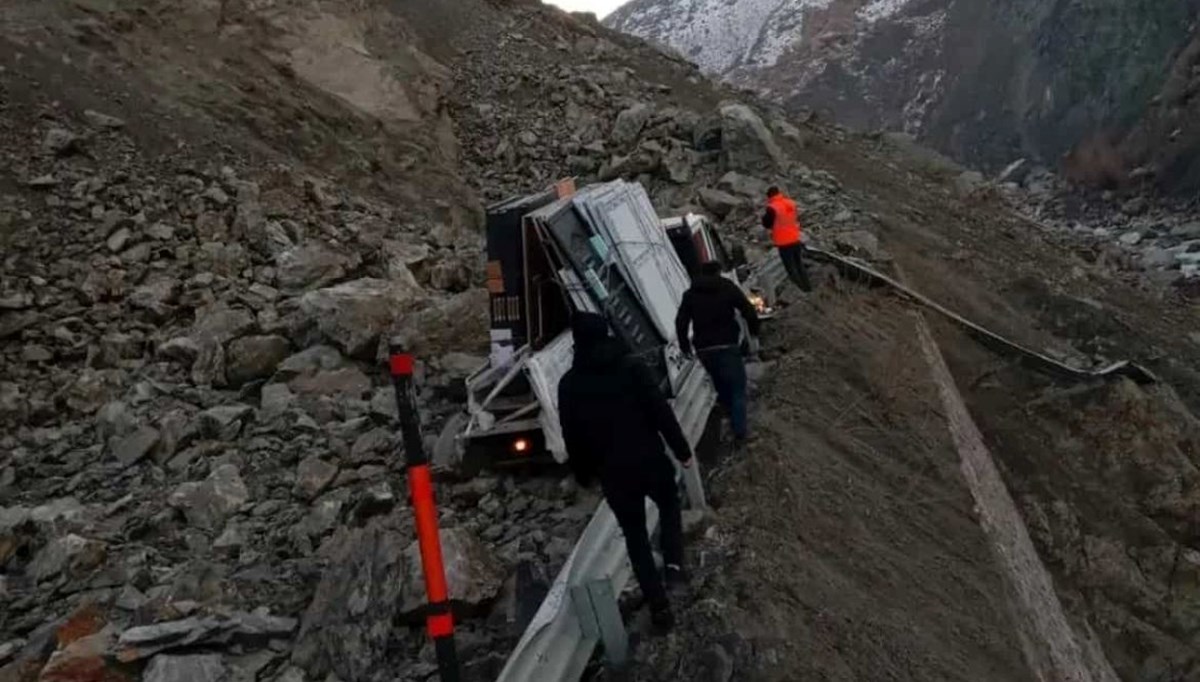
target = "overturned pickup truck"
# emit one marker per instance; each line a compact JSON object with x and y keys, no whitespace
{"x":600,"y":249}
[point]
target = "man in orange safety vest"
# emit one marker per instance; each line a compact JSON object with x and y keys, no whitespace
{"x":783,"y":221}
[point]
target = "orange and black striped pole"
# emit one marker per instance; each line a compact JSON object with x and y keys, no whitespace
{"x":439,"y":621}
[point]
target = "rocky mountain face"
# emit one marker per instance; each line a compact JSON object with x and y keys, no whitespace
{"x":986,"y":82}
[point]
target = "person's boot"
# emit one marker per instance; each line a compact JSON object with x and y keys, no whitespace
{"x":661,"y":616}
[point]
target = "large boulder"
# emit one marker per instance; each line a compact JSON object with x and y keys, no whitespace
{"x":207,"y":504}
{"x":254,"y":357}
{"x":629,"y":124}
{"x":310,"y":361}
{"x":719,"y":203}
{"x":473,"y":574}
{"x":347,"y":629}
{"x":352,"y":316}
{"x":311,"y":266}
{"x":313,"y":475}
{"x":746,"y":142}
{"x":743,"y":185}
{"x":191,"y":668}
{"x":70,"y":555}
{"x":458,"y":324}
{"x":215,"y":326}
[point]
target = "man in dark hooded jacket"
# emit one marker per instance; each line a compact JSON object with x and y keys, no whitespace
{"x":710,"y":308}
{"x":614,"y":420}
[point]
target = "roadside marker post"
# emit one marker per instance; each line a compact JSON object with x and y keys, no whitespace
{"x":439,"y":621}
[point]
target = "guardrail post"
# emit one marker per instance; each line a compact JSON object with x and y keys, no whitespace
{"x":439,"y":621}
{"x":599,"y":616}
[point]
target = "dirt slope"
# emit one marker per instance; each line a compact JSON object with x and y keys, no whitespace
{"x":846,"y":546}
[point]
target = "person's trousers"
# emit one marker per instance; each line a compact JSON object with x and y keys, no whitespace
{"x":728,"y":372}
{"x":793,"y":263}
{"x":628,"y":503}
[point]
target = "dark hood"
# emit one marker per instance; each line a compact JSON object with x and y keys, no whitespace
{"x":594,"y":348}
{"x":707,"y":282}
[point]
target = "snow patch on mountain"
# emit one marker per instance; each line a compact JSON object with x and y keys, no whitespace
{"x":720,"y":35}
{"x":880,"y":9}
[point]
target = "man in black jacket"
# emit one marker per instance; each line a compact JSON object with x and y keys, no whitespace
{"x":614,"y":420}
{"x":710,"y":307}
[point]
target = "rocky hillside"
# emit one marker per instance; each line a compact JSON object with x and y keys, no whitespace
{"x":214,"y":214}
{"x":986,"y":82}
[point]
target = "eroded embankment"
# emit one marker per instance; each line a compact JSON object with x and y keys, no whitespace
{"x":845,"y":544}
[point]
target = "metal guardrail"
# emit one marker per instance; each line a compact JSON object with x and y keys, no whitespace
{"x":1040,"y":362}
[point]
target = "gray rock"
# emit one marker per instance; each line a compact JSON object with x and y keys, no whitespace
{"x":325,"y":513}
{"x":629,"y":124}
{"x":114,"y":419}
{"x":859,"y":243}
{"x":372,"y":445}
{"x":99,"y":120}
{"x":1131,"y":238}
{"x":679,"y":164}
{"x":131,"y":599}
{"x":182,"y":349}
{"x":1135,"y":206}
{"x":347,"y":628}
{"x":276,"y":399}
{"x":967,"y":182}
{"x":216,"y":195}
{"x":230,"y":538}
{"x":348,"y":382}
{"x":92,"y":389}
{"x":206,"y":505}
{"x":313,"y":476}
{"x":119,"y":239}
{"x":61,"y":141}
{"x":311,"y":266}
{"x":746,"y":142}
{"x":215,"y":326}
{"x":743,"y":185}
{"x":406,"y":261}
{"x":716,"y":664}
{"x":459,"y":323}
{"x":168,"y":632}
{"x":224,"y":422}
{"x":354,"y":315}
{"x":161,"y":232}
{"x":460,"y":365}
{"x":43,"y":182}
{"x":719,"y":203}
{"x":157,"y":296}
{"x":72,"y":555}
{"x":133,"y":448}
{"x":1186,"y":231}
{"x":310,"y":361}
{"x":191,"y":668}
{"x":473,"y":574}
{"x":64,"y":510}
{"x":254,"y":357}
{"x":292,"y":674}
